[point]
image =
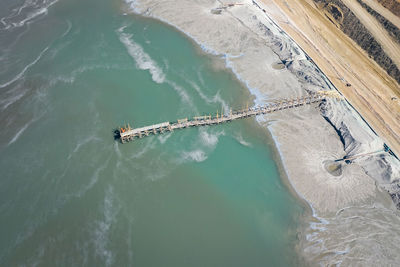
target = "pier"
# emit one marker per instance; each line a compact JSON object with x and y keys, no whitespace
{"x":127,"y":133}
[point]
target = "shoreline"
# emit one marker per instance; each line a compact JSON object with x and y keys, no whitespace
{"x":272,"y":141}
{"x":316,"y":65}
{"x":282,"y":148}
{"x":309,"y":215}
{"x":366,"y":85}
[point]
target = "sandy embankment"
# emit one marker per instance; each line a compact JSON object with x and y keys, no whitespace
{"x":390,"y":46}
{"x":384,"y":12}
{"x":372,"y":92}
{"x":307,"y":138}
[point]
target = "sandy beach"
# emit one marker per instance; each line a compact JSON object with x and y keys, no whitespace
{"x":309,"y":139}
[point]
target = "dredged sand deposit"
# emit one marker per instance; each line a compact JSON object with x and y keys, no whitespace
{"x":355,"y":221}
{"x":364,"y":83}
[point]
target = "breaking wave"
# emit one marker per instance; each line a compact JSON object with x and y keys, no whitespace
{"x":142,"y":59}
{"x":133,"y":6}
{"x":145,"y":62}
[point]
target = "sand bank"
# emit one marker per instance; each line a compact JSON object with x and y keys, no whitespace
{"x":308,"y":138}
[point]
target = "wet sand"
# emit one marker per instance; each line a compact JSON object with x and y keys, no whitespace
{"x":255,"y":48}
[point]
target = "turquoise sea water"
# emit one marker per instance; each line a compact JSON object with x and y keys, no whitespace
{"x":70,"y":195}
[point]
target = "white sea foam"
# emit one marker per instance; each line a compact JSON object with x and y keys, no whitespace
{"x":133,"y":5}
{"x":93,"y":180}
{"x":135,"y":8}
{"x":260,"y":98}
{"x":16,"y":39}
{"x":117,"y":151}
{"x":142,"y":59}
{"x":163,"y":138}
{"x":69,"y":27}
{"x":57,"y":48}
{"x":182,"y":94}
{"x":210,"y":139}
{"x":70,"y":78}
{"x":322,"y":227}
{"x":84,"y":142}
{"x":6,"y":102}
{"x":195,"y":155}
{"x":30,"y":16}
{"x":241,"y":140}
{"x":19,"y":75}
{"x":145,"y":62}
{"x":205,"y":144}
{"x":147,"y":147}
{"x":18,"y":134}
{"x":26,"y":13}
{"x":39,"y":114}
{"x":210,"y":100}
{"x":103,"y":228}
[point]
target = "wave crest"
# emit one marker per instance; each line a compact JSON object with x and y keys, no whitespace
{"x":142,"y":59}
